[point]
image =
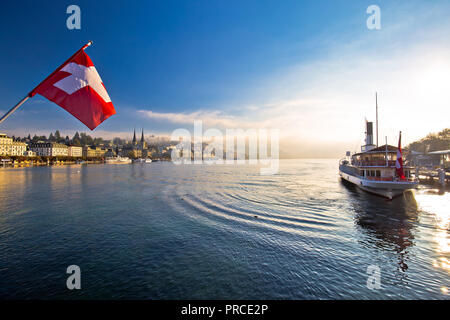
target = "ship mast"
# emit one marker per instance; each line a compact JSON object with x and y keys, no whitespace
{"x":387,"y":161}
{"x":376,"y":106}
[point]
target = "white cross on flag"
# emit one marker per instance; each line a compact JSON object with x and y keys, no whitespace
{"x":77,"y":87}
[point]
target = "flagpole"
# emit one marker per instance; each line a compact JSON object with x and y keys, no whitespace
{"x":376,"y":104}
{"x":387,"y":161}
{"x":6,"y":115}
{"x":31,"y":94}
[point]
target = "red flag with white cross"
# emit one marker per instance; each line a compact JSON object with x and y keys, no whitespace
{"x":399,"y":161}
{"x":77,"y":87}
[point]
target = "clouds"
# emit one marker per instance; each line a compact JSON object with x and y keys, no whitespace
{"x":322,"y":102}
{"x":328,"y":100}
{"x":213,"y":118}
{"x":315,"y":88}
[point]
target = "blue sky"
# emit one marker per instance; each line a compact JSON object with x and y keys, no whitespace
{"x":307,"y":67}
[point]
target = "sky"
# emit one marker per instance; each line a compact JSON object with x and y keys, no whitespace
{"x":307,"y":68}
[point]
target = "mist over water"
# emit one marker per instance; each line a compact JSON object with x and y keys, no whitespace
{"x":161,"y":231}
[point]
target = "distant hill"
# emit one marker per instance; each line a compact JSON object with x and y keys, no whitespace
{"x":432,"y":142}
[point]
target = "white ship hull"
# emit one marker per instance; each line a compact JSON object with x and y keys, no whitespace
{"x":118,"y":160}
{"x":142,"y":160}
{"x":387,"y":189}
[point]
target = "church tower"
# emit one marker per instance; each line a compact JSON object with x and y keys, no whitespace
{"x":134,"y":137}
{"x":143,"y":143}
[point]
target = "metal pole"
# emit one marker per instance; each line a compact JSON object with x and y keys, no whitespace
{"x":376,"y":104}
{"x":387,"y":162}
{"x":14,"y":108}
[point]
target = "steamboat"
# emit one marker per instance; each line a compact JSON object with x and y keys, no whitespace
{"x":378,"y":169}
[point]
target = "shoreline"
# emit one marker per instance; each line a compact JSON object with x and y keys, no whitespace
{"x":56,"y":162}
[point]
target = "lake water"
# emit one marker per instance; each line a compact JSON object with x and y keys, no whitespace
{"x":161,"y":231}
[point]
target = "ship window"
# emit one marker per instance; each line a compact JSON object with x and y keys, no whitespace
{"x":372,"y":173}
{"x":378,"y":173}
{"x":361,"y":173}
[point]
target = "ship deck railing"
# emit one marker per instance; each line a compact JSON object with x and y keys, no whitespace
{"x":374,"y":163}
{"x":391,"y":179}
{"x":391,"y":163}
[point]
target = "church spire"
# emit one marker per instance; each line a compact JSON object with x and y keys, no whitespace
{"x":142,"y":136}
{"x":134,"y":136}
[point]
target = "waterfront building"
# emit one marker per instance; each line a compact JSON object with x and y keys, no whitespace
{"x":430,"y":160}
{"x":5,"y":144}
{"x":110,"y":153}
{"x":4,"y":139}
{"x":18,"y":148}
{"x":9,"y":147}
{"x":75,"y":151}
{"x":94,"y":152}
{"x":49,"y":149}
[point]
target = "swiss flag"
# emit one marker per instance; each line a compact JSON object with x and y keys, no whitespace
{"x":77,"y":87}
{"x":399,"y":161}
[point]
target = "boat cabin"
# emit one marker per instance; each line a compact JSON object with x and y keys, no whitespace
{"x":378,"y":164}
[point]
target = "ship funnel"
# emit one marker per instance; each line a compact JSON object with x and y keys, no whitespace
{"x":369,"y":137}
{"x":369,"y":133}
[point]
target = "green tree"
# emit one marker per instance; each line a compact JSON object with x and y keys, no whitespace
{"x":432,"y":142}
{"x":86,"y":140}
{"x":118,"y":141}
{"x":57,"y":135}
{"x":76,"y":141}
{"x":98,"y":141}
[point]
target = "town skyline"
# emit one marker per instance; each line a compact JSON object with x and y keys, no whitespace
{"x":81,"y":145}
{"x":433,"y":141}
{"x":91,"y":136}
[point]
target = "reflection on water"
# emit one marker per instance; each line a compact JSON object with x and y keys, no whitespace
{"x":440,"y":212}
{"x":389,"y":225}
{"x":392,"y":225}
{"x":161,"y":231}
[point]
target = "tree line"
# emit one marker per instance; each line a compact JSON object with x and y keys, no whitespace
{"x":432,"y":142}
{"x":78,"y":139}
